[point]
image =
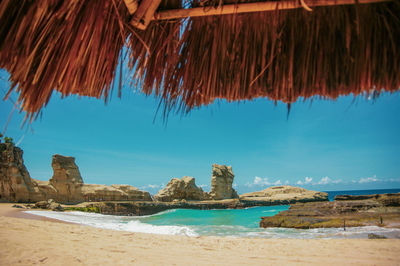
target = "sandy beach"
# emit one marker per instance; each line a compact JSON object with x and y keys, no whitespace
{"x":30,"y":240}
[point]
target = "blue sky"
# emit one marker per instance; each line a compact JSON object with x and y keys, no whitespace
{"x":350,"y":143}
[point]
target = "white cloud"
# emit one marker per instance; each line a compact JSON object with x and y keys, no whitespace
{"x":325,"y":180}
{"x":234,"y":185}
{"x":277,"y":183}
{"x":150,"y":186}
{"x":259,"y":181}
{"x":203,"y":185}
{"x":308,"y":180}
{"x":368,"y":179}
{"x":286,"y":182}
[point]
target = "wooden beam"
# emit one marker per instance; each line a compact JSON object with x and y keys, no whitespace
{"x":252,"y":7}
{"x":132,"y":5}
{"x":145,"y":13}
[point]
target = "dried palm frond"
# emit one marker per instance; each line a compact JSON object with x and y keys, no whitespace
{"x":284,"y":55}
{"x":70,"y":46}
{"x":74,"y":47}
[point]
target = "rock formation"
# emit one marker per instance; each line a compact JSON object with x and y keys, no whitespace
{"x":66,"y":185}
{"x":283,"y":195}
{"x":49,"y":205}
{"x":15,"y":183}
{"x":221,"y":183}
{"x":66,"y":179}
{"x":381,"y":210}
{"x":92,"y":192}
{"x":181,"y":189}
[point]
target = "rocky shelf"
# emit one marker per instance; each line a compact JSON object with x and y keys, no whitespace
{"x":344,"y":211}
{"x":66,"y":186}
{"x":135,"y":208}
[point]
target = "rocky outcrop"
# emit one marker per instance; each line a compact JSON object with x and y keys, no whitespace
{"x":181,"y":189}
{"x":93,"y":192}
{"x":66,"y":185}
{"x":70,"y":188}
{"x":15,"y":183}
{"x":49,"y":205}
{"x":381,"y":210}
{"x":66,"y":179}
{"x":221,"y":183}
{"x":133,"y":193}
{"x":280,"y":195}
{"x":133,"y":208}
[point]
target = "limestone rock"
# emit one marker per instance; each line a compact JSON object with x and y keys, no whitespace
{"x":181,"y":189}
{"x":65,"y":186}
{"x":15,"y":183}
{"x":46,"y":188}
{"x":375,"y":236}
{"x":133,"y":193}
{"x":49,"y":205}
{"x":377,"y":210}
{"x":221,"y":183}
{"x":41,"y":204}
{"x":284,"y":195}
{"x":66,"y":179}
{"x":93,"y":192}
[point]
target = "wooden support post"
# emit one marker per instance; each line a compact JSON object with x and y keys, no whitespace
{"x":253,"y":7}
{"x":145,"y":13}
{"x":132,"y":6}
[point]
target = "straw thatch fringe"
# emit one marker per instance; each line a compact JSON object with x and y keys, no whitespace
{"x":71,"y":46}
{"x":284,"y":55}
{"x":74,"y":47}
{"x":153,"y":51}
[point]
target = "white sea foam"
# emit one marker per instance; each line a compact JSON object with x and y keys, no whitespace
{"x":138,"y":224}
{"x":122,"y":223}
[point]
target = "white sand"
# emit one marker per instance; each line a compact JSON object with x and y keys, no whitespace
{"x":27,"y":241}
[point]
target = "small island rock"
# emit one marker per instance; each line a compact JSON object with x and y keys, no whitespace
{"x":284,"y":195}
{"x":181,"y":189}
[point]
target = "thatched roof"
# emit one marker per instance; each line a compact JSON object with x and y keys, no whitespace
{"x":75,"y":46}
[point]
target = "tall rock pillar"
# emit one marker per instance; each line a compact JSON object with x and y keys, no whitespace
{"x":221,"y":183}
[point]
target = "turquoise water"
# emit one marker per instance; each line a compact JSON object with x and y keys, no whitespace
{"x":216,"y":222}
{"x":249,"y":217}
{"x":224,"y":223}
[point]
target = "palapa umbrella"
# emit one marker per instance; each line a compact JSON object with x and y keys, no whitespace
{"x":190,"y":52}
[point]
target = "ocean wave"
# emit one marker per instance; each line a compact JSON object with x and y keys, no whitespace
{"x":137,"y":224}
{"x":120,"y":223}
{"x":156,"y":214}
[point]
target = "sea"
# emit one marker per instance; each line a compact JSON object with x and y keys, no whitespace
{"x":225,"y":223}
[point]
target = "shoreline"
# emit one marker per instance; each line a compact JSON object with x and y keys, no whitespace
{"x":7,"y":210}
{"x":49,"y":241}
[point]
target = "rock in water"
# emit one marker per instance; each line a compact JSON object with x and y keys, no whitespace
{"x":283,"y":195}
{"x":181,"y":189}
{"x":379,"y":210}
{"x":221,"y":183}
{"x":66,"y":179}
{"x":375,"y":236}
{"x":15,"y":183}
{"x":49,"y":205}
